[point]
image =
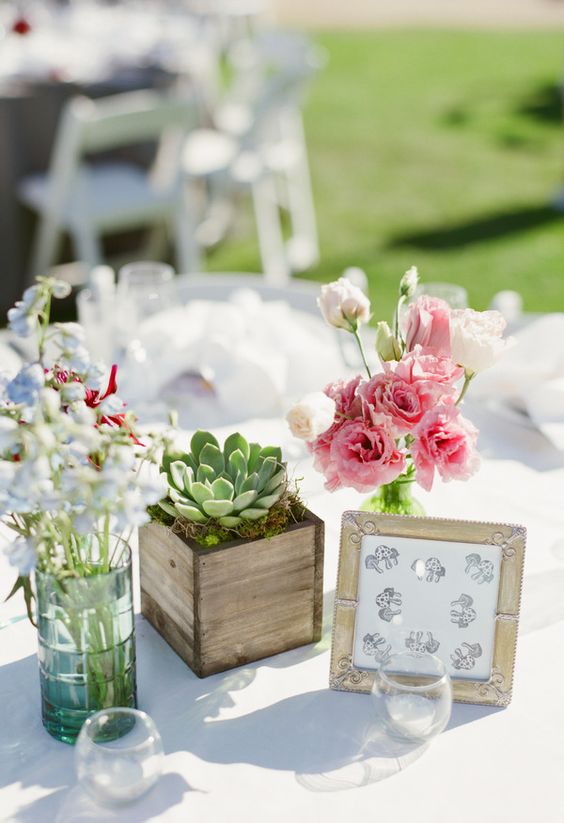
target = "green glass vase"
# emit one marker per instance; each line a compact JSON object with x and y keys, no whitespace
{"x":86,"y":645}
{"x":394,"y":498}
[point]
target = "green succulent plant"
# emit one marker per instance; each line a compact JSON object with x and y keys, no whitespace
{"x":240,"y":482}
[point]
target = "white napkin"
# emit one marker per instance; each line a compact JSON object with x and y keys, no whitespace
{"x":257,"y":356}
{"x":546,"y":408}
{"x":529,"y":378}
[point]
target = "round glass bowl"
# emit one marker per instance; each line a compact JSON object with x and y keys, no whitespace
{"x":412,"y":696}
{"x":119,"y":755}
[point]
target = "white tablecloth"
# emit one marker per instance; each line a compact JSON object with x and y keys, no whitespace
{"x":270,"y":741}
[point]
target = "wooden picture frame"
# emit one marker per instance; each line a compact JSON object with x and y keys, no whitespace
{"x":492,"y":574}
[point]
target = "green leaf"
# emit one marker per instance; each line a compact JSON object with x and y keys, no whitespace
{"x":229,"y":522}
{"x":168,"y":508}
{"x":217,"y":508}
{"x":240,"y":479}
{"x":199,"y":440}
{"x":272,"y":451}
{"x":188,"y":480}
{"x":200,"y":493}
{"x":212,"y":456}
{"x":205,"y":473}
{"x":253,"y":514}
{"x":222,"y":489}
{"x":277,"y":479}
{"x":190,"y":462}
{"x":245,"y":499}
{"x":170,"y":457}
{"x":24,"y":583}
{"x":237,"y":463}
{"x":250,"y":484}
{"x":268,"y":501}
{"x":266,"y":471}
{"x":253,"y":457}
{"x":176,"y":496}
{"x":176,"y":474}
{"x":236,"y":441}
{"x":191,"y":513}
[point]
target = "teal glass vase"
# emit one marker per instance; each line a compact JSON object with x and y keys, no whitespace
{"x":86,"y":644}
{"x":394,"y":498}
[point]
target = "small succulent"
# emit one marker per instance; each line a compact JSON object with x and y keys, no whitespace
{"x":241,"y":482}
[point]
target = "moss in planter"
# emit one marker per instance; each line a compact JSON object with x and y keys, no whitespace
{"x":289,"y":509}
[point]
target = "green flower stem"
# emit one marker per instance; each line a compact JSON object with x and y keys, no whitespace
{"x":468,"y":377}
{"x":105,"y":547}
{"x":43,"y":327}
{"x":361,"y":348}
{"x":399,"y":304}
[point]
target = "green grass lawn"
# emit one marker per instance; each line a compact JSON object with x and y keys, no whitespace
{"x":440,"y":149}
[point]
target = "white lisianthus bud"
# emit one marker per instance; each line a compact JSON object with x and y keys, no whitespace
{"x":343,"y":305}
{"x":409,"y":282}
{"x":387,"y":345}
{"x":313,"y":415}
{"x":476,"y":339}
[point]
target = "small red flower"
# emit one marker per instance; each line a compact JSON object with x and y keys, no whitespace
{"x":94,"y":398}
{"x":21,"y":26}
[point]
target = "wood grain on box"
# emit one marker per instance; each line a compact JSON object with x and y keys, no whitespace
{"x":242,"y":601}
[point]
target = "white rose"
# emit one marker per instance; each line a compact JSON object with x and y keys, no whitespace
{"x":343,"y":305}
{"x":476,"y":338}
{"x":311,"y":416}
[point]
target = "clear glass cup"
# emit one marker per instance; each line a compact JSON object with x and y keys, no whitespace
{"x":412,"y":696}
{"x":86,"y":638}
{"x":119,"y":755}
{"x":456,"y":296}
{"x":147,"y":287}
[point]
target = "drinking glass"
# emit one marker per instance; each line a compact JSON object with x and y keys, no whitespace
{"x":412,"y":696}
{"x":145,"y":287}
{"x":456,"y":296}
{"x":119,"y":755}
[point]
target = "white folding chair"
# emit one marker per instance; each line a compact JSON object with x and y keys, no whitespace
{"x":88,"y":200}
{"x":259,"y":143}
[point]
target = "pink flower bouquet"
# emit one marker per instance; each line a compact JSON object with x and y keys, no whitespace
{"x":403,"y":424}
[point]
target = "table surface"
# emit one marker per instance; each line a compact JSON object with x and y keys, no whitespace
{"x":270,"y":741}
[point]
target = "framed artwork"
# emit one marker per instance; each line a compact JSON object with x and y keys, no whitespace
{"x":448,"y":587}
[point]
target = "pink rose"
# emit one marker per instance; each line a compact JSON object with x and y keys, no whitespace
{"x":364,"y":456}
{"x":347,"y":405}
{"x":444,"y":441}
{"x":421,"y":364}
{"x":405,"y":403}
{"x":428,"y":323}
{"x":344,"y":394}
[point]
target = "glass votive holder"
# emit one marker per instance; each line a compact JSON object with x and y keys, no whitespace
{"x":147,"y":286}
{"x":412,"y":696}
{"x":119,"y":755}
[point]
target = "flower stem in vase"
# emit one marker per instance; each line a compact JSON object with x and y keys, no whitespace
{"x":394,"y":498}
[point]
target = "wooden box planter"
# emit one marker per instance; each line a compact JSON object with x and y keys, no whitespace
{"x":242,"y":601}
